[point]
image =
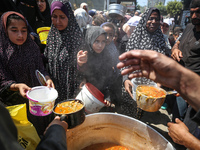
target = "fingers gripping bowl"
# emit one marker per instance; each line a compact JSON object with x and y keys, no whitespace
{"x":72,"y":111}
{"x":150,"y":98}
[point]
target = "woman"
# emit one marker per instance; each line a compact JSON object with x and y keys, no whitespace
{"x":19,"y":58}
{"x":147,"y":35}
{"x":89,"y":18}
{"x":63,"y":42}
{"x":81,"y":18}
{"x":44,"y":8}
{"x":30,"y":11}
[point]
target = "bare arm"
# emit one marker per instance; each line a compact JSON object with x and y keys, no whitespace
{"x":176,"y":53}
{"x":164,"y":70}
{"x":180,"y":134}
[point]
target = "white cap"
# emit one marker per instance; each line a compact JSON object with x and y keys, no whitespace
{"x":133,"y":21}
{"x":167,"y":21}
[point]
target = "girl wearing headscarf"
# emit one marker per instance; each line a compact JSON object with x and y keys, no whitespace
{"x":19,"y":58}
{"x":96,"y":64}
{"x":147,"y":35}
{"x":63,"y":42}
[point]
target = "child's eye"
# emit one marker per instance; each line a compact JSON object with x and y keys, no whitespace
{"x":24,"y":30}
{"x":14,"y":30}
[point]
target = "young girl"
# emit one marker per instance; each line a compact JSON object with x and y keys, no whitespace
{"x":19,"y":58}
{"x":114,"y":56}
{"x":95,"y":63}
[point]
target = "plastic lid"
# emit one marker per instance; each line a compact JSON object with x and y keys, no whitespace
{"x":95,"y":92}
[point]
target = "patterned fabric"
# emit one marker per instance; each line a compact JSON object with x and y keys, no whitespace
{"x":61,"y":51}
{"x":18,"y":63}
{"x":142,"y":39}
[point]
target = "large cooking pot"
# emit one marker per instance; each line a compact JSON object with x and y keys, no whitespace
{"x":116,"y":11}
{"x":116,"y":128}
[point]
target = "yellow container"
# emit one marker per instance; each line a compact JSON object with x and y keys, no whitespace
{"x":43,"y":33}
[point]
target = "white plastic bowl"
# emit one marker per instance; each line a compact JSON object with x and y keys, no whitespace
{"x":41,"y":100}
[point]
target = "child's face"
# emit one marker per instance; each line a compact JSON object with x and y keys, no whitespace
{"x":59,"y":19}
{"x":110,"y":34}
{"x":99,"y":44}
{"x":17,"y":31}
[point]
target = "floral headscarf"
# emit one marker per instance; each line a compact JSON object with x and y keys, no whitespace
{"x":142,"y":39}
{"x":61,"y":51}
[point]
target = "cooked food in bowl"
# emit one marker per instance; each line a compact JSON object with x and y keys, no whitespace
{"x":67,"y":107}
{"x":151,"y":91}
{"x":150,"y":98}
{"x":105,"y":146}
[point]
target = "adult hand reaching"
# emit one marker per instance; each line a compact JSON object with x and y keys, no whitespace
{"x":152,"y":65}
{"x":163,"y":70}
{"x":176,"y":53}
{"x":180,"y":134}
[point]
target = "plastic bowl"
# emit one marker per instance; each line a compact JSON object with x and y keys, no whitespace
{"x":41,"y":100}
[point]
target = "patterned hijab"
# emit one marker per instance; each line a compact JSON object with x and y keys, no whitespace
{"x":18,"y":63}
{"x":141,"y":38}
{"x":61,"y":51}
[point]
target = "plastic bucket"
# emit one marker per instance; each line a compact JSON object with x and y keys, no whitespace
{"x":43,"y":34}
{"x":92,"y":97}
{"x":41,"y":100}
{"x":139,"y":81}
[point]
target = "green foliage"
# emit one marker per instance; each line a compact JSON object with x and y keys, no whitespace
{"x":162,"y":8}
{"x":174,"y":7}
{"x":137,"y":7}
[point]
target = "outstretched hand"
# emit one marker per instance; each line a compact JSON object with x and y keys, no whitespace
{"x":82,"y":57}
{"x":152,"y":65}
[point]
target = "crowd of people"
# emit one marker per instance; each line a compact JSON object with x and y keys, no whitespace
{"x":86,"y":46}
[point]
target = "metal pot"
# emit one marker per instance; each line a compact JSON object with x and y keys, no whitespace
{"x":116,"y":11}
{"x":73,"y":119}
{"x":149,"y":104}
{"x":116,"y":128}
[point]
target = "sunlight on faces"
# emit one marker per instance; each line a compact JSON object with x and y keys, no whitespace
{"x":99,"y":44}
{"x":59,"y":19}
{"x":195,"y":15}
{"x":110,"y":34}
{"x":42,"y":5}
{"x":153,"y":22}
{"x":17,"y":31}
{"x":164,"y":28}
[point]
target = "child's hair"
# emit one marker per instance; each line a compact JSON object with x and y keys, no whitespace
{"x":98,"y":19}
{"x":109,"y":24}
{"x":12,"y":16}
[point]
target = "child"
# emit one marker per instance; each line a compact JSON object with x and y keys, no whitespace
{"x":19,"y":58}
{"x":95,"y":63}
{"x":114,"y":56}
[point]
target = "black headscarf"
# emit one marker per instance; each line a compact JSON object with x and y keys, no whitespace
{"x":47,"y":15}
{"x":141,"y":38}
{"x":61,"y":51}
